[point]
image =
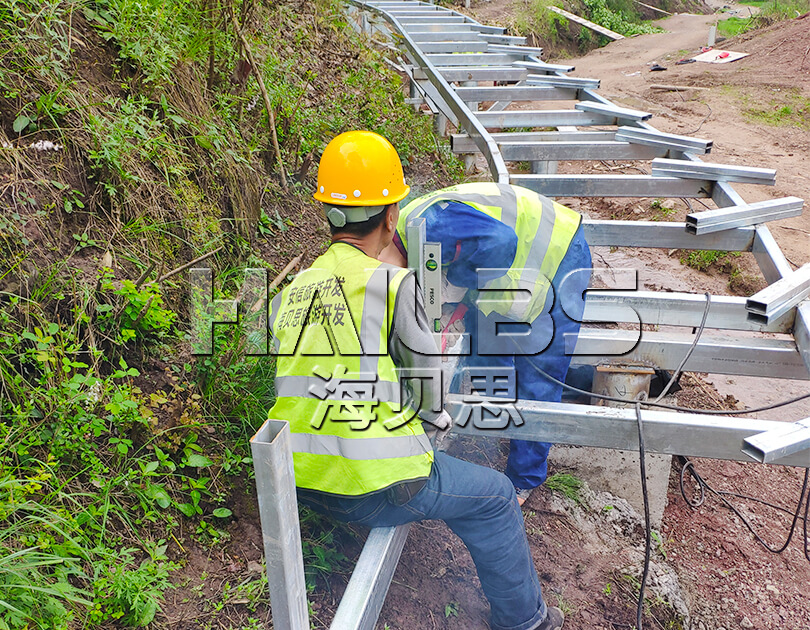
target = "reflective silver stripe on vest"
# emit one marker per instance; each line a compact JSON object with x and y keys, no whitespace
{"x":506,"y":200}
{"x":375,"y":305}
{"x":299,"y":387}
{"x":361,"y":448}
{"x":277,"y":303}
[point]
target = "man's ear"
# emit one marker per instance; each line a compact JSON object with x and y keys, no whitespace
{"x":391,"y":217}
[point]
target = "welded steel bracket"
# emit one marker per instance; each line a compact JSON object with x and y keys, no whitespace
{"x":778,"y":298}
{"x":779,"y":442}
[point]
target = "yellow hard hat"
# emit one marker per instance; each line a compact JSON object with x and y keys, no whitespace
{"x":360,"y":168}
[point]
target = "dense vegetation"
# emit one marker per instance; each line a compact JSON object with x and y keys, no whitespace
{"x":134,"y":137}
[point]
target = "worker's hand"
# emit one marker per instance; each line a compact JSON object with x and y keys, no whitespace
{"x":443,"y":422}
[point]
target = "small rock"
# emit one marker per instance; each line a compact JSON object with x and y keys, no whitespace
{"x":772,"y":589}
{"x":254,"y":567}
{"x":746,"y":623}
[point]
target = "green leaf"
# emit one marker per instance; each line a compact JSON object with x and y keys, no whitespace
{"x":187,"y":509}
{"x":222,"y":512}
{"x":204,"y":142}
{"x":197,"y":461}
{"x":20,"y":123}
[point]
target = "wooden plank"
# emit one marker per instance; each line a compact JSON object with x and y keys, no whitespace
{"x":594,"y":27}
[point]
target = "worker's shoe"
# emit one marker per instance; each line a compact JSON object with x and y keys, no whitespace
{"x":554,"y":619}
{"x":523,"y":494}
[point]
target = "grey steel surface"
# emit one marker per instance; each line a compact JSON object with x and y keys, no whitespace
{"x":542,"y":118}
{"x":472,"y":73}
{"x":772,"y":262}
{"x":780,"y":443}
{"x":278,"y":510}
{"x":561,"y":81}
{"x":620,"y":113}
{"x":542,"y":66}
{"x":717,"y":172}
{"x":656,"y":138}
{"x":781,"y":296}
{"x":715,"y":353}
{"x":801,"y":332}
{"x":475,"y":59}
{"x":668,"y":235}
{"x":453,"y":47}
{"x":516,"y":48}
{"x":675,"y":309}
{"x":440,"y":36}
{"x":505,"y":40}
{"x":578,"y":150}
{"x":517,"y":93}
{"x":692,"y":435}
{"x":614,"y":186}
{"x":365,"y":593}
{"x":461,"y":143}
{"x":736,"y":216}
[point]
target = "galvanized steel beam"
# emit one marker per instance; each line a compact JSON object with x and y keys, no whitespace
{"x":614,"y":186}
{"x":653,"y":137}
{"x":715,"y":172}
{"x":461,"y":143}
{"x":613,"y":111}
{"x":801,"y":332}
{"x":780,"y":442}
{"x":560,"y":81}
{"x":750,"y":214}
{"x":691,"y":435}
{"x":517,"y":93}
{"x":578,"y":151}
{"x":665,"y":235}
{"x":472,"y":73}
{"x":478,"y":59}
{"x":770,"y":259}
{"x":542,"y":118}
{"x":781,"y":296}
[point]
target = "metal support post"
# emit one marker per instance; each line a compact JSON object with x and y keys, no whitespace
{"x":278,"y":509}
{"x":440,"y":124}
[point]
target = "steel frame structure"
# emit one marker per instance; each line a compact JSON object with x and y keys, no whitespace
{"x":448,"y":54}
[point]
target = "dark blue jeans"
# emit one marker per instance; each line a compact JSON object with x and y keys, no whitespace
{"x":480,"y":507}
{"x":527,"y":466}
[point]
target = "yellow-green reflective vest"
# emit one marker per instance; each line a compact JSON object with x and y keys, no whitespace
{"x":544,"y":229}
{"x":330,"y":329}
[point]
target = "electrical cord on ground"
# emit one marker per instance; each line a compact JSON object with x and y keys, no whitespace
{"x":677,"y":373}
{"x":688,"y":467}
{"x":647,"y":527}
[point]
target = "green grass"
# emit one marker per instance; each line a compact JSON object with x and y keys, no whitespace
{"x":786,"y":108}
{"x":567,"y":485}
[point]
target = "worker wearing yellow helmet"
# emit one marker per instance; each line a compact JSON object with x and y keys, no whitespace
{"x":343,"y":330}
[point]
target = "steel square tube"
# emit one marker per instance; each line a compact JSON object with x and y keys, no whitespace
{"x":614,"y":186}
{"x":719,"y":172}
{"x":542,"y":66}
{"x":471,"y":73}
{"x":750,"y":214}
{"x":620,"y":113}
{"x":515,"y":48}
{"x":453,"y":47}
{"x":482,"y":59}
{"x":717,"y":354}
{"x":770,"y":259}
{"x":365,"y":593}
{"x":278,"y":510}
{"x":461,"y":143}
{"x":467,"y":27}
{"x":552,"y":79}
{"x":433,"y":36}
{"x":666,"y":432}
{"x":657,"y":138}
{"x":675,"y":309}
{"x":433,"y":19}
{"x":578,"y":151}
{"x":517,"y":93}
{"x":779,"y":443}
{"x":506,"y":40}
{"x":801,"y":331}
{"x":781,"y":296}
{"x":541,"y":118}
{"x":666,"y":235}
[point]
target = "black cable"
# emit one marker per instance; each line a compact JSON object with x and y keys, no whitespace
{"x":689,"y":467}
{"x":647,"y":528}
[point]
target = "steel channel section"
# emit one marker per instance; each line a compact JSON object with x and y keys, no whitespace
{"x":749,"y":214}
{"x":542,"y":66}
{"x":278,"y":510}
{"x":365,"y":593}
{"x":716,"y":354}
{"x":519,"y":49}
{"x":675,"y":309}
{"x":691,"y":435}
{"x":781,"y":296}
{"x":508,"y":41}
{"x":465,"y":117}
{"x":703,"y":170}
{"x":780,"y":443}
{"x":453,"y":47}
{"x":578,"y":151}
{"x":665,"y":235}
{"x":621,"y":113}
{"x":770,"y":259}
{"x":561,"y":81}
{"x":657,"y":138}
{"x":516,"y":93}
{"x":615,"y":186}
{"x":445,"y":37}
{"x":471,"y":73}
